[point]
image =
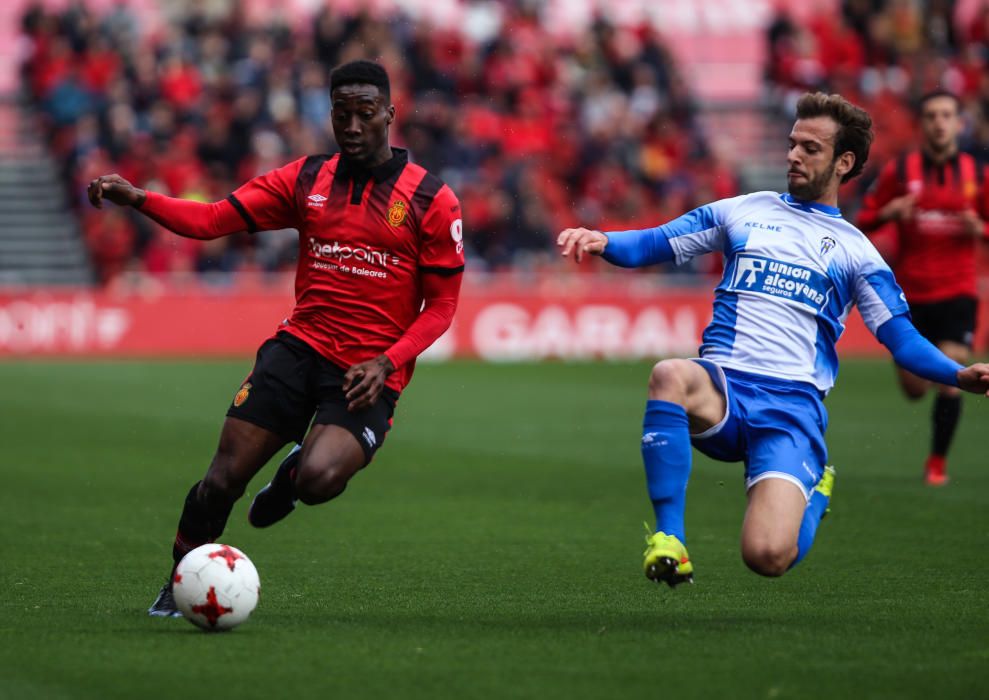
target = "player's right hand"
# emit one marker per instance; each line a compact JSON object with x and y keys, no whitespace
{"x":116,"y":189}
{"x":975,"y":378}
{"x":580,"y":241}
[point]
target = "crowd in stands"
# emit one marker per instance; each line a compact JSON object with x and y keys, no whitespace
{"x":884,"y":55}
{"x":533,"y":132}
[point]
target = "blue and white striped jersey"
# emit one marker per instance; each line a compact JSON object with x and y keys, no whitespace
{"x":793,"y":270}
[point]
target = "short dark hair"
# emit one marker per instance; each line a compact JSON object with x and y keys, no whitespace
{"x":934,"y":94}
{"x":854,"y":126}
{"x":361,"y":73}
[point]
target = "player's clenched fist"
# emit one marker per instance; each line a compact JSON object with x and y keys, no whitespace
{"x":580,"y":241}
{"x":975,"y":378}
{"x":116,"y":189}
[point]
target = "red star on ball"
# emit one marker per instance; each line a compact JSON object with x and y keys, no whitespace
{"x":211,"y":610}
{"x":228,"y":554}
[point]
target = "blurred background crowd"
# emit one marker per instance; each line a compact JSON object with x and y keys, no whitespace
{"x":883,"y":55}
{"x":535,"y":131}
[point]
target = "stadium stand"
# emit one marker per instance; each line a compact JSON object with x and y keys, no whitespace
{"x":40,"y":244}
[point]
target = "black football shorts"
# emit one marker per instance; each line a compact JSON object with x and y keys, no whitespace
{"x":949,"y":320}
{"x":292,"y":385}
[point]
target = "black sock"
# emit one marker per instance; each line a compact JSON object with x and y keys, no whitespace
{"x":201,"y":522}
{"x":284,"y":479}
{"x":947,"y":411}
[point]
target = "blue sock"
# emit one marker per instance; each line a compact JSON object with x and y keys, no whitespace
{"x":816,"y":506}
{"x":666,"y":456}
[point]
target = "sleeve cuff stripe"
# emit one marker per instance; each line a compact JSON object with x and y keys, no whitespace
{"x":251,"y":226}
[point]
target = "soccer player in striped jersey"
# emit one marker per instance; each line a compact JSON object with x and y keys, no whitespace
{"x":938,"y":200}
{"x":378,"y":278}
{"x":794,"y":268}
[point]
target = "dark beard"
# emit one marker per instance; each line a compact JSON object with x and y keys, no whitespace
{"x":812,"y":190}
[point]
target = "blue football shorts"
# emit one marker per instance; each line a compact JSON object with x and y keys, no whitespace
{"x":776,"y":427}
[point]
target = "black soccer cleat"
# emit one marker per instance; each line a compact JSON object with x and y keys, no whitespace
{"x":277,"y":499}
{"x":164,"y":605}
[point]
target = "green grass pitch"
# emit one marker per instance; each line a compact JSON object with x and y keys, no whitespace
{"x":491,"y":551}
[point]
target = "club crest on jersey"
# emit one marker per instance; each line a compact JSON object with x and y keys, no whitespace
{"x":397,"y":213}
{"x":242,"y":395}
{"x":827,"y":245}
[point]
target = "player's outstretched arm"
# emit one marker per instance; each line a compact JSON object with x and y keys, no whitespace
{"x":915,"y":353}
{"x":180,"y":216}
{"x":622,"y":248}
{"x":975,"y":379}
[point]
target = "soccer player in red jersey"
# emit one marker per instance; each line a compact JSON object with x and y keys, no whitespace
{"x":938,"y":200}
{"x":380,"y":264}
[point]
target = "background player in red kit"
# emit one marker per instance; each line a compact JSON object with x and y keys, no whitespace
{"x":937,"y":198}
{"x":379,"y":272}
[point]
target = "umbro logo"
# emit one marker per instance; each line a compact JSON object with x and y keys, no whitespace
{"x":370,"y":437}
{"x":316,"y":200}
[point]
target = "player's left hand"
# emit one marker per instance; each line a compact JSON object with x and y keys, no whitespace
{"x":363,"y":382}
{"x":975,"y":378}
{"x":974,"y":226}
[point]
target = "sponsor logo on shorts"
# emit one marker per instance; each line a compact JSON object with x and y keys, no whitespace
{"x":397,"y":213}
{"x":813,"y":474}
{"x":242,"y":395}
{"x":780,"y":279}
{"x":370,"y":438}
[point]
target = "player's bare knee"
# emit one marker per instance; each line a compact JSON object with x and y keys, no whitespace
{"x":314,"y":486}
{"x":767,"y":559}
{"x":668,"y":380}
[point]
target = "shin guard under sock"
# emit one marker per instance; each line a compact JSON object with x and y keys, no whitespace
{"x":666,"y":457}
{"x":200,"y":523}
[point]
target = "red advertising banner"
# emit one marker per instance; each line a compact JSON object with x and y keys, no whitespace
{"x":504,"y":320}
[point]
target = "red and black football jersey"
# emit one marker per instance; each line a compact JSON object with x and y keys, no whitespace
{"x":937,"y":258}
{"x":365,"y":237}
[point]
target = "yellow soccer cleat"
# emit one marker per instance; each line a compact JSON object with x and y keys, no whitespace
{"x":666,"y":559}
{"x":826,"y":485}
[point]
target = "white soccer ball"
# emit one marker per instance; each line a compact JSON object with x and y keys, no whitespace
{"x":216,"y":587}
